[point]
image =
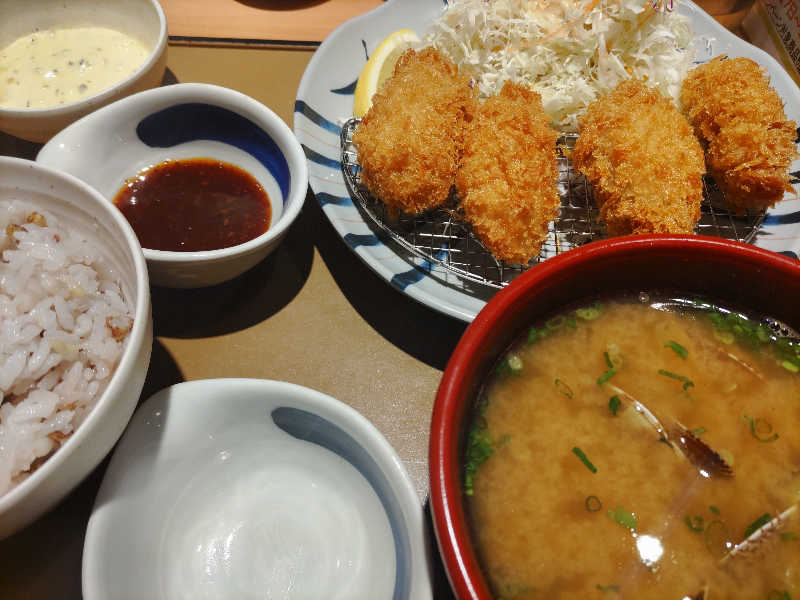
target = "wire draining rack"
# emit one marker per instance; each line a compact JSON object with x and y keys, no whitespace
{"x":442,"y":238}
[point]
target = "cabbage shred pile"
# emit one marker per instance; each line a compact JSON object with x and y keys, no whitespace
{"x":569,"y":51}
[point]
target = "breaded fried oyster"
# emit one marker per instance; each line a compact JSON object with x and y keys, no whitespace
{"x":750,"y":144}
{"x":643,"y":160}
{"x":508,"y":174}
{"x":410,"y":140}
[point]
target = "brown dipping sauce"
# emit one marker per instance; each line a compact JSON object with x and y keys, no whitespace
{"x":194,"y":204}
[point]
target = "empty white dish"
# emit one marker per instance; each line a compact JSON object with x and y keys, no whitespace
{"x":244,"y":488}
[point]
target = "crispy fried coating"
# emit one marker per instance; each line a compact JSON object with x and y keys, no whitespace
{"x":643,"y":160}
{"x":410,"y":140}
{"x":508,"y":175}
{"x":749,"y":142}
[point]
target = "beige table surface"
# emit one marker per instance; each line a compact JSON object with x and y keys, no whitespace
{"x":312,"y":313}
{"x":297,"y":21}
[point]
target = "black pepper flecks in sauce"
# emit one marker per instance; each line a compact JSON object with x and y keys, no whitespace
{"x":194,"y":204}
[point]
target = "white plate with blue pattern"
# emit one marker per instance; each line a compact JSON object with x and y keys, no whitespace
{"x":325,"y":102}
{"x":245,"y":488}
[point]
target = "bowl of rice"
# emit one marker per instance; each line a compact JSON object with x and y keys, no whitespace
{"x":75,"y":335}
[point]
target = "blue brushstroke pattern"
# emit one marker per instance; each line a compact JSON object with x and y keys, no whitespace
{"x":790,"y":219}
{"x":195,"y":121}
{"x":354,"y":241}
{"x":347,"y":90}
{"x":403,"y":280}
{"x":324,"y":198}
{"x":789,"y":253}
{"x":313,"y":428}
{"x":304,"y":109}
{"x":318,"y":158}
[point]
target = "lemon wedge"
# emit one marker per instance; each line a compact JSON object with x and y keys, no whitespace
{"x":379,"y":68}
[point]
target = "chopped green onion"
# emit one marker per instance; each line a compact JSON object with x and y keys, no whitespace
{"x":733,"y":327}
{"x":761,"y":429}
{"x":695,"y":523}
{"x":713,"y":509}
{"x":593,"y":503}
{"x":589,"y":313}
{"x":678,"y":349}
{"x":625,"y":518}
{"x":788,"y":536}
{"x":564,"y":388}
{"x":535,"y":334}
{"x":687,"y":383}
{"x":699,"y":430}
{"x":613,"y":404}
{"x":757,"y":524}
{"x":726,"y":337}
{"x":606,"y":376}
{"x":503,"y":369}
{"x":555,"y":323}
{"x":479,"y":447}
{"x":778,"y":595}
{"x":515,"y":363}
{"x":609,"y":373}
{"x":584,"y":459}
{"x":572,"y":323}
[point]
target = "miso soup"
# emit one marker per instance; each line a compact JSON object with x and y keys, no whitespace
{"x":640,"y":448}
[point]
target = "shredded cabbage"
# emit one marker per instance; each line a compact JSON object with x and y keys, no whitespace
{"x":569,"y":51}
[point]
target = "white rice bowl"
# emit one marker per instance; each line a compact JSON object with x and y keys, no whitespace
{"x":63,"y":326}
{"x":69,"y":387}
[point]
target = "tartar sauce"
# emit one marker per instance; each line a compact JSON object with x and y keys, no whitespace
{"x":57,"y":66}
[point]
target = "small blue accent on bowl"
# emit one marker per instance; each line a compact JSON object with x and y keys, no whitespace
{"x":195,"y":121}
{"x":312,"y":428}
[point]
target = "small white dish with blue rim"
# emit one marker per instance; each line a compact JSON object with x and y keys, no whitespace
{"x":245,"y":488}
{"x":181,"y":121}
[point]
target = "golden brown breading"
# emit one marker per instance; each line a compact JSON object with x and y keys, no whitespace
{"x":508,"y":175}
{"x":750,"y":143}
{"x":643,"y":160}
{"x":410,"y":140}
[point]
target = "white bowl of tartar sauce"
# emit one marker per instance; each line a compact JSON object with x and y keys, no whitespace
{"x":62,"y":59}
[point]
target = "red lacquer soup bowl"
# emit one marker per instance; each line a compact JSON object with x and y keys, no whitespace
{"x":730,"y":273}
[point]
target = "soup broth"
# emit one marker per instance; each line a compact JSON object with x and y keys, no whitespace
{"x":623,"y":450}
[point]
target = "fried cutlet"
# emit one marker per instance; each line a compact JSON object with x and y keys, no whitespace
{"x":410,"y":140}
{"x":507,"y":177}
{"x":749,"y":142}
{"x":643,"y":160}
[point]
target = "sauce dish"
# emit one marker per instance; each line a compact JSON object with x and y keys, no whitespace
{"x":181,"y":122}
{"x":142,"y":22}
{"x":254,"y":489}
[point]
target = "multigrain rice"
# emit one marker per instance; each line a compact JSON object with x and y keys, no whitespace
{"x":63,"y":325}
